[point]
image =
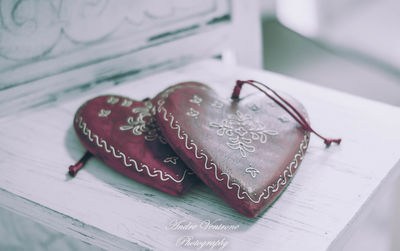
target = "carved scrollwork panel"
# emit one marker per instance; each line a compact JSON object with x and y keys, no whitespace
{"x":31,"y":29}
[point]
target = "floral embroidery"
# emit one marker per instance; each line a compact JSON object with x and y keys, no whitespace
{"x":139,"y":126}
{"x":209,"y":165}
{"x":171,"y":159}
{"x":127,"y":161}
{"x":145,"y":111}
{"x":242,"y":130}
{"x":196,"y":100}
{"x":252,"y":171}
{"x":112,"y":100}
{"x":126,"y":102}
{"x":193,"y":113}
{"x":104,"y":113}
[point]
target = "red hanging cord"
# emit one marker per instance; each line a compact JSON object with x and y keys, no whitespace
{"x":73,"y":169}
{"x":289,"y":108}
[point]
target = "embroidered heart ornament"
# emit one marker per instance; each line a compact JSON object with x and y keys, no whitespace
{"x":246,"y":150}
{"x":124,"y":134}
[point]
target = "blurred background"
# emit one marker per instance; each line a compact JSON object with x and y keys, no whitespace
{"x":348,"y":45}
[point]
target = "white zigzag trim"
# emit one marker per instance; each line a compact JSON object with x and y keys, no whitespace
{"x":283,"y":179}
{"x":127,"y":161}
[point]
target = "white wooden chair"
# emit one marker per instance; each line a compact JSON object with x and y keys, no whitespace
{"x":50,"y":51}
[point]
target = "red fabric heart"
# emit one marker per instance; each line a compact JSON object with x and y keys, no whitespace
{"x":246,"y":150}
{"x":124,"y":134}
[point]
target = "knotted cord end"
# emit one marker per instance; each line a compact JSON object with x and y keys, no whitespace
{"x":73,"y":169}
{"x":237,"y":89}
{"x":328,"y":142}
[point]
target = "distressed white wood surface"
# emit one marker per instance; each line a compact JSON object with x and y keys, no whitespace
{"x":56,"y":48}
{"x":332,"y":187}
{"x":59,"y":48}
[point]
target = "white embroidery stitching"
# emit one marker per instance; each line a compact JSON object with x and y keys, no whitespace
{"x":252,"y":171}
{"x":241,"y":130}
{"x":140,"y":126}
{"x":127,"y":161}
{"x":196,"y":100}
{"x":112,"y":100}
{"x":104,"y":113}
{"x":193,"y":113}
{"x":284,"y":178}
{"x":126,"y":102}
{"x":171,"y":159}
